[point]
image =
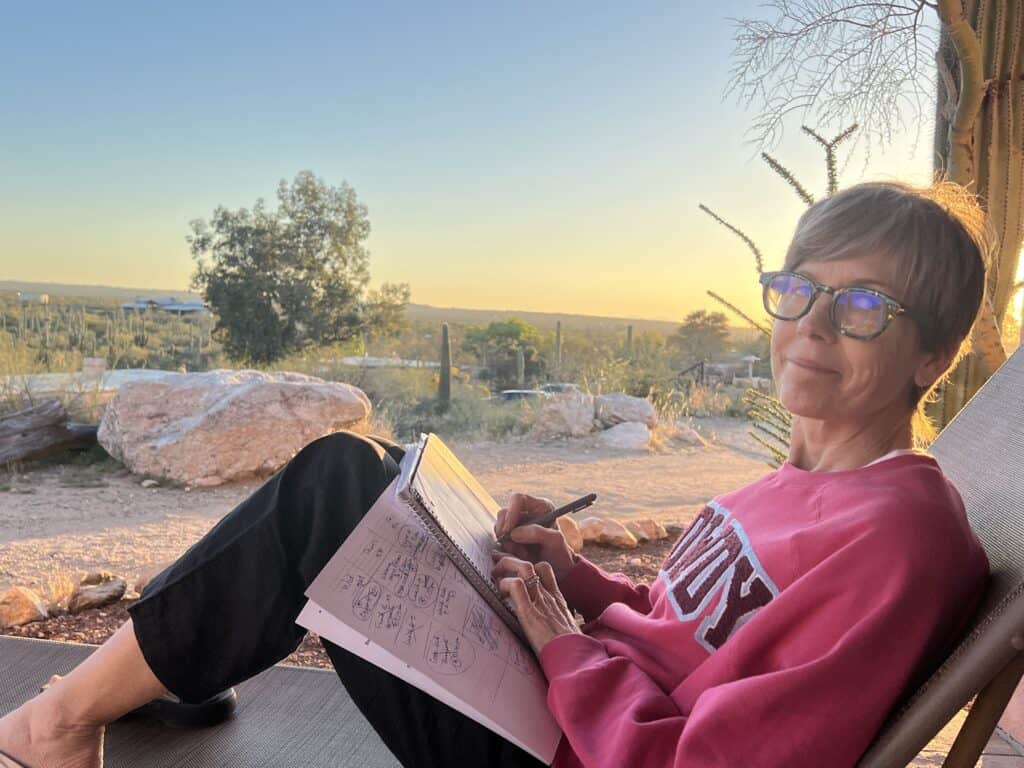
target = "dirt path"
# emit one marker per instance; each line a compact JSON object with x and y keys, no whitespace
{"x":66,"y":519}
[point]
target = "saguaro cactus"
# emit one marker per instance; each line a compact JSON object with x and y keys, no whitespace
{"x":520,"y":368}
{"x":979,"y":143}
{"x":444,"y":386}
{"x":629,"y":343}
{"x":558,"y":346}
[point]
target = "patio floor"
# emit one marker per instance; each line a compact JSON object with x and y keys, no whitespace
{"x":259,"y":736}
{"x":998,"y":753}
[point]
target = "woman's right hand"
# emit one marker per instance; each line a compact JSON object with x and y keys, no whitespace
{"x":534,"y":543}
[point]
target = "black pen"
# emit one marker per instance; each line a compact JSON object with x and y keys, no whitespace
{"x":545,"y":520}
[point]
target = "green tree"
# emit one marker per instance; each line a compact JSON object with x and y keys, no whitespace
{"x":495,"y":345}
{"x":702,"y":336}
{"x":281,"y":280}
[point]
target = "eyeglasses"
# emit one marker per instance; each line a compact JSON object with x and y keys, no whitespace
{"x":859,"y":313}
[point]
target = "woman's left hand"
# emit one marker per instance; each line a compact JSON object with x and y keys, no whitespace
{"x":538,"y":602}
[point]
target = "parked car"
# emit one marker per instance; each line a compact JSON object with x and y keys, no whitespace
{"x":522,"y":394}
{"x":559,"y":386}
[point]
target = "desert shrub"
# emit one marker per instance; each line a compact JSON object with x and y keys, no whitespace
{"x":468,"y":418}
{"x":700,"y":402}
{"x":613,"y":374}
{"x":405,"y":399}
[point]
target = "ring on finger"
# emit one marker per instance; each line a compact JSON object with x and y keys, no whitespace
{"x":532,"y":582}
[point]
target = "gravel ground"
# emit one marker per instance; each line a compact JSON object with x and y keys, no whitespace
{"x":94,"y":626}
{"x":91,"y":514}
{"x":59,"y":520}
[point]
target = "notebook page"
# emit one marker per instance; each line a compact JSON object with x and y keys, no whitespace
{"x":316,"y":619}
{"x":392,"y":585}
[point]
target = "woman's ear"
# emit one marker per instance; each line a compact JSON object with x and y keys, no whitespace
{"x":933,"y":366}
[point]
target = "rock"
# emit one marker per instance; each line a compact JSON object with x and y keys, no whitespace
{"x":85,"y":597}
{"x":204,"y":429}
{"x":603,"y":530}
{"x":571,"y":530}
{"x":630,"y":436}
{"x":96,"y":577}
{"x":19,"y":605}
{"x":149,"y":483}
{"x":566,"y":414}
{"x":618,"y":408}
{"x":646,"y":529}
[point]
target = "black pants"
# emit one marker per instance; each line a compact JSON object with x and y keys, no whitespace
{"x":226,"y":609}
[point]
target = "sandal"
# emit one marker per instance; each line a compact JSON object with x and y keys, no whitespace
{"x":172,"y":711}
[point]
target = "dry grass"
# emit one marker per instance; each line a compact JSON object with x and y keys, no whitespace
{"x":57,"y":591}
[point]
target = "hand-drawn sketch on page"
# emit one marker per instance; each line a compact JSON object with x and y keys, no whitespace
{"x":390,"y":595}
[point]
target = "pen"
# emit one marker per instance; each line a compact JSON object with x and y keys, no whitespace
{"x":545,"y":520}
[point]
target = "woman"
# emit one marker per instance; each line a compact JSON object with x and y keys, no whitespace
{"x":782,"y":627}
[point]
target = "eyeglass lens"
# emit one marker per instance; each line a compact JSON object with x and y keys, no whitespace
{"x":857,"y":312}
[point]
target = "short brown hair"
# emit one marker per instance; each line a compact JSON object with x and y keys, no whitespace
{"x":938,"y":234}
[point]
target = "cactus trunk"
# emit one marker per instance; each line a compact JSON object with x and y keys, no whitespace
{"x":980,"y":145}
{"x":444,"y":387}
{"x":558,"y":348}
{"x":520,"y":368}
{"x":629,"y":343}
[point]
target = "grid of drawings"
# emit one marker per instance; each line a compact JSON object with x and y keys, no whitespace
{"x":393,"y":582}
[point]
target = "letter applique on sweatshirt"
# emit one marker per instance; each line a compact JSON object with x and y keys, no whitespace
{"x":713,"y":561}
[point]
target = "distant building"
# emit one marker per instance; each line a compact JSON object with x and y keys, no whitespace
{"x":367,"y":361}
{"x":25,"y":298}
{"x":168,"y":304}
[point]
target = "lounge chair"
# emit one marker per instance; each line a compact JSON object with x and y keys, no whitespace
{"x":982,"y":451}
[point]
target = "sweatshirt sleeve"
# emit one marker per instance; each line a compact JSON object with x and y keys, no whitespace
{"x":806,"y":682}
{"x":590,"y":590}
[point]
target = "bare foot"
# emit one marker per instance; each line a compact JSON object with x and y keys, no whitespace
{"x":38,"y":735}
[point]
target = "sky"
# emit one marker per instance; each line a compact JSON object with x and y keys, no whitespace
{"x":534,"y":156}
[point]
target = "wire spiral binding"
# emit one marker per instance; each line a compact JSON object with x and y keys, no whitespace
{"x":481,"y":584}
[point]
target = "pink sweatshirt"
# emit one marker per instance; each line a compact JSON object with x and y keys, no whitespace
{"x":781,"y":629}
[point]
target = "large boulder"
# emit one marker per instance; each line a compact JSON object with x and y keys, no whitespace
{"x":608,"y":532}
{"x":210,"y":428}
{"x":571,"y":531}
{"x":19,"y":605}
{"x":618,"y":408}
{"x":646,"y":529}
{"x":566,"y":414}
{"x":95,"y":591}
{"x":631,"y":436}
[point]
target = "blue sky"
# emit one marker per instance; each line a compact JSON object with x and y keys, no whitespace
{"x":531,"y":156}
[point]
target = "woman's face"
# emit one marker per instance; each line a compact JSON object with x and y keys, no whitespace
{"x":822,"y":374}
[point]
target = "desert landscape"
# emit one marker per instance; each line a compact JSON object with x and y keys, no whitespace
{"x":71,"y":519}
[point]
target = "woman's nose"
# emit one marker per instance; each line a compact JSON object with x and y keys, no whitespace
{"x":817,"y":321}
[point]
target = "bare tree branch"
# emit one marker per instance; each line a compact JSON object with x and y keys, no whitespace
{"x":835,"y":61}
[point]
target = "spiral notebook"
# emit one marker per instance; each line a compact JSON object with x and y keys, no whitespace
{"x":460,"y":514}
{"x":410,"y":591}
